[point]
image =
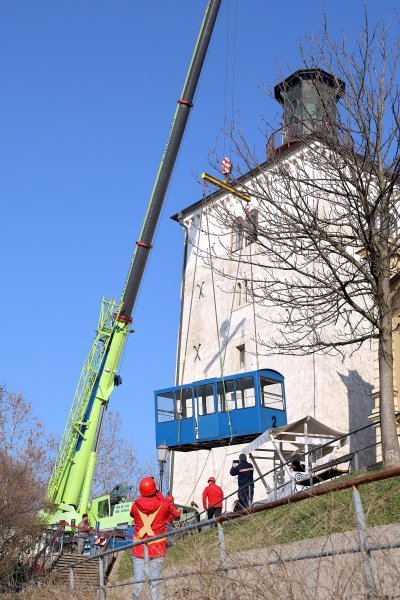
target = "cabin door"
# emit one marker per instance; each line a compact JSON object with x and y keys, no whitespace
{"x":208,"y":427}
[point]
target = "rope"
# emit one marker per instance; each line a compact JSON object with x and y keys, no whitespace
{"x":227,"y":448}
{"x":189,"y":316}
{"x":199,"y":477}
{"x":254,"y":309}
{"x":221,"y":364}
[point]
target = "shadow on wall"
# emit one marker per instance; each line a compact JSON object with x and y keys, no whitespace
{"x":361,"y":405}
{"x":225,"y":339}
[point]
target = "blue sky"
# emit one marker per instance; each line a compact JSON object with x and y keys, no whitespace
{"x":89,"y":88}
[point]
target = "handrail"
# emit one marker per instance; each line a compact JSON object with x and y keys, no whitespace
{"x":48,"y":544}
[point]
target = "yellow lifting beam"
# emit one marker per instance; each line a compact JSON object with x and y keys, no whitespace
{"x":225,"y":186}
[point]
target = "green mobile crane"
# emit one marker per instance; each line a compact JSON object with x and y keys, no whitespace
{"x":71,"y":479}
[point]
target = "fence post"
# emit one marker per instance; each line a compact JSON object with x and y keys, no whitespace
{"x":102,"y":590}
{"x":355,"y":461}
{"x":372,"y":591}
{"x":223,"y":557}
{"x":71,"y":579}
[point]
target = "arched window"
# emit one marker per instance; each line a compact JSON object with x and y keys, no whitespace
{"x":237,"y":234}
{"x":251,"y":226}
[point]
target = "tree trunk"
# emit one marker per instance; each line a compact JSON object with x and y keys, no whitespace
{"x":390,"y":443}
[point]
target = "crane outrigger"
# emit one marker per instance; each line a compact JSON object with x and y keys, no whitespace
{"x":71,"y":479}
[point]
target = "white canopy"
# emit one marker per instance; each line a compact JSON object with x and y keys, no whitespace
{"x":305,"y":432}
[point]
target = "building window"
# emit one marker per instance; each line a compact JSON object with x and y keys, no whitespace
{"x":242,"y":293}
{"x":251,"y":226}
{"x":238,"y":295}
{"x":245,"y":291}
{"x":241,"y":356}
{"x":237,"y":234}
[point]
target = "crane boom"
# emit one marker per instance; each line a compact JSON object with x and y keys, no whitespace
{"x":74,"y":467}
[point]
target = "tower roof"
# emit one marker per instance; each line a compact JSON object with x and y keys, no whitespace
{"x":304,"y":74}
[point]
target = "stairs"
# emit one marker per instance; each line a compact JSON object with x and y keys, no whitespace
{"x":85,"y":575}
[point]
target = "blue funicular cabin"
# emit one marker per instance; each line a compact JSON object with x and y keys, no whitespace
{"x":212,"y":412}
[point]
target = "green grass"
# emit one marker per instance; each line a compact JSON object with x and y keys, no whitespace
{"x":316,"y":517}
{"x":125,"y":569}
{"x":313,"y":518}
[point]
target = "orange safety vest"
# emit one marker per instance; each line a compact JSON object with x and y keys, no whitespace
{"x":147,"y":530}
{"x":150,"y":517}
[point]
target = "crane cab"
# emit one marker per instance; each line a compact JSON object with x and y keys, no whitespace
{"x":210,"y":413}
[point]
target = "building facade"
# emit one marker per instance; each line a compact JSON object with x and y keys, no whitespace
{"x":222,"y":327}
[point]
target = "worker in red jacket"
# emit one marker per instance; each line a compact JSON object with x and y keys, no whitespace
{"x":212,"y":499}
{"x":174,"y":513}
{"x":150,"y":514}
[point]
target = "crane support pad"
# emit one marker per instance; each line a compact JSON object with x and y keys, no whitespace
{"x":149,"y":246}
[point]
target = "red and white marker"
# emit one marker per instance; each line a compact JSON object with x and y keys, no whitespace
{"x":226,"y":166}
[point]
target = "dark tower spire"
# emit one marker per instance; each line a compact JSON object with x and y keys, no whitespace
{"x":309,"y":98}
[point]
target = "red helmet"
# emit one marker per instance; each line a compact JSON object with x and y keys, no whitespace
{"x":211,"y":480}
{"x":147,"y":487}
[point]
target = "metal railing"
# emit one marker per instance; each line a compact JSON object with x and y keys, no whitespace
{"x":363,"y":547}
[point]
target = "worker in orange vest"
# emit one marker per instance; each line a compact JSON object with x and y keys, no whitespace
{"x":212,"y":499}
{"x":150,"y":514}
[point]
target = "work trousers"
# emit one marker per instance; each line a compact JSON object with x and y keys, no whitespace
{"x":213,"y":512}
{"x":81,"y":544}
{"x":245,"y":496}
{"x":153,"y":573}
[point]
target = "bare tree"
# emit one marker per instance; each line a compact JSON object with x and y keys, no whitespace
{"x":327,"y":251}
{"x":21,"y":499}
{"x":22,"y":434}
{"x":23,"y":467}
{"x":117,"y":461}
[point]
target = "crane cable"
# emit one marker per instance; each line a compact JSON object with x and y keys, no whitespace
{"x":232,"y":76}
{"x":219,"y":345}
{"x":222,"y":363}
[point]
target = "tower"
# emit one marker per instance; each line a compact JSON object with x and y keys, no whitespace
{"x":309,"y":98}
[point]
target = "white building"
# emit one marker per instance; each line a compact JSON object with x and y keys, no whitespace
{"x":220,"y":322}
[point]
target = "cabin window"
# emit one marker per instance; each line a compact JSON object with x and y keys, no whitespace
{"x":226,"y":395}
{"x":271,"y":393}
{"x":205,"y":398}
{"x":241,"y":356}
{"x":251,"y":226}
{"x":245,"y":392}
{"x":237,"y":234}
{"x":103,"y":509}
{"x":184,"y":403}
{"x":166,"y":407}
